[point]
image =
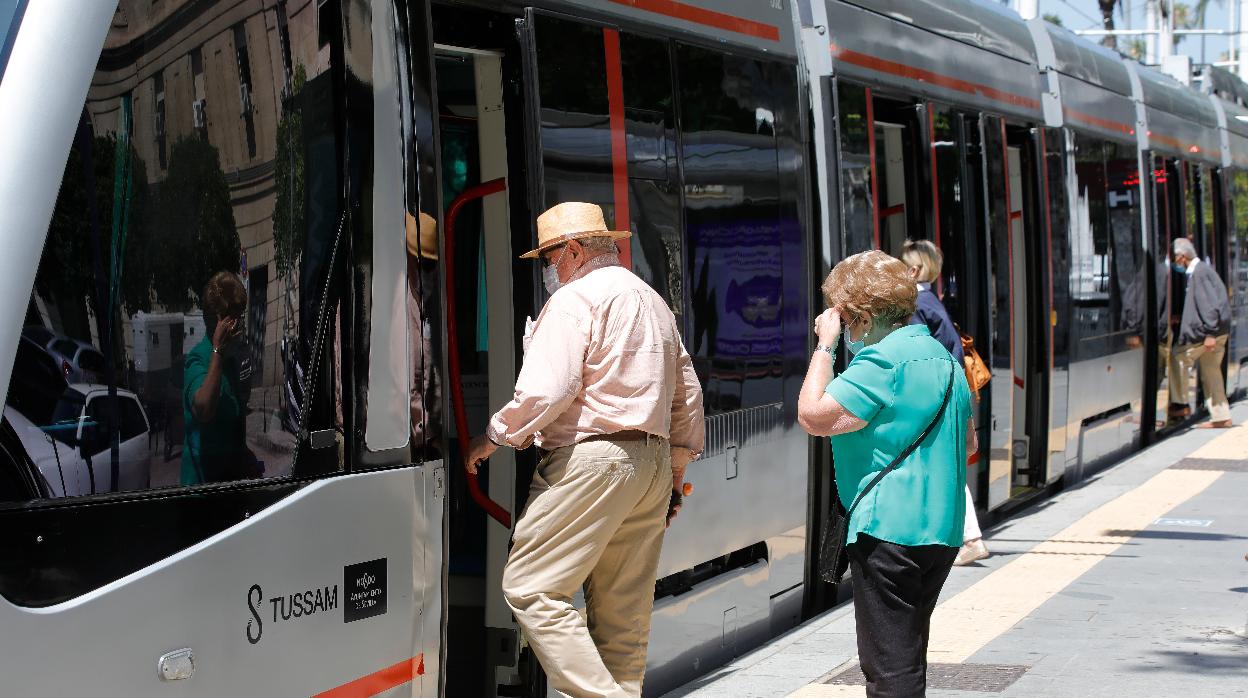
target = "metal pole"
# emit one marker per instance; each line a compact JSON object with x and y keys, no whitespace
{"x":1233,"y":24}
{"x":1150,"y":41}
{"x":1242,"y":26}
{"x":1165,"y":42}
{"x":1029,"y":9}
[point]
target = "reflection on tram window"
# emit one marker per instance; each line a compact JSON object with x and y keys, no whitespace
{"x":1059,"y":248}
{"x":1108,"y":281}
{"x":576,"y":140}
{"x":858,"y":206}
{"x":949,"y":187}
{"x":169,"y":334}
{"x":733,"y":234}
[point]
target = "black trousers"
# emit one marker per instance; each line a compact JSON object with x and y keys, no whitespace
{"x":895,"y":591}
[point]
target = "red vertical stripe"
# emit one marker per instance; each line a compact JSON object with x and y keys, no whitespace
{"x":875,"y":189}
{"x":619,"y":139}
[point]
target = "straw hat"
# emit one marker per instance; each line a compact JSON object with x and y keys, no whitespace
{"x":569,"y":221}
{"x":422,"y":242}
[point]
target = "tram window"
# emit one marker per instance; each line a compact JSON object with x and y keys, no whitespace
{"x":576,"y":134}
{"x":136,"y":249}
{"x":949,"y":188}
{"x":577,"y":152}
{"x":1059,"y":229}
{"x":1106,"y":248}
{"x":653,"y":179}
{"x":857,"y":203}
{"x":733,"y":236}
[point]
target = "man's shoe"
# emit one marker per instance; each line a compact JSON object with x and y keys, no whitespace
{"x":1219,"y":424}
{"x":971,"y":551}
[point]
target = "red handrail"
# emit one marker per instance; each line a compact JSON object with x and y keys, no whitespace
{"x":491,"y":507}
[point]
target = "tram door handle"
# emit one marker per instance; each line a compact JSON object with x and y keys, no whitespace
{"x":491,"y":507}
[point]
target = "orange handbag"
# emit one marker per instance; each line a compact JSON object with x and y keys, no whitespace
{"x":977,"y":373}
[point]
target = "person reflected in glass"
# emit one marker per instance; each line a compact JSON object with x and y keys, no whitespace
{"x":902,"y":538}
{"x":215,"y":446}
{"x":925,"y":261}
{"x":425,"y":391}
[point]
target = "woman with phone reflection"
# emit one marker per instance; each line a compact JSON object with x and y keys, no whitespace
{"x":215,"y":449}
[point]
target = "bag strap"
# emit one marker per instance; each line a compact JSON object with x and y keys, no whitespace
{"x":907,"y":451}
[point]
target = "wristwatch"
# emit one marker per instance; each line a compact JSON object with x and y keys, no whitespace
{"x":831,"y":350}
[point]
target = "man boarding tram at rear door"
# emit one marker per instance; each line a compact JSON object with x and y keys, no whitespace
{"x":609,"y":394}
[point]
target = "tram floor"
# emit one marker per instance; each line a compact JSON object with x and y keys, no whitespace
{"x":1133,"y":582}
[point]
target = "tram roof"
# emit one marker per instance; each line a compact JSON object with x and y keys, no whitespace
{"x":988,"y":26}
{"x":1089,"y":62}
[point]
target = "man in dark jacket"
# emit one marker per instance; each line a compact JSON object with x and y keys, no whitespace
{"x":1202,"y":335}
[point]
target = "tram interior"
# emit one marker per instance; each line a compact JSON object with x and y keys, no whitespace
{"x":479,"y":102}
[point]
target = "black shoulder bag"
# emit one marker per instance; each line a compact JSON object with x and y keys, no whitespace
{"x":832,"y":560}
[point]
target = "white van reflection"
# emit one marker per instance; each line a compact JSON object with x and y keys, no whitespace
{"x":73,"y":450}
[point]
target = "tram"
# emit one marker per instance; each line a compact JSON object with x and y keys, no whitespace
{"x":367,"y":171}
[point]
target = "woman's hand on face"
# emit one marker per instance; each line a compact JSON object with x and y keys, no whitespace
{"x":227,"y":330}
{"x":828,"y":326}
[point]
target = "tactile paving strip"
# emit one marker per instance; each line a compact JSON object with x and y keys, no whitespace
{"x":1228,"y":465}
{"x":984,"y":678}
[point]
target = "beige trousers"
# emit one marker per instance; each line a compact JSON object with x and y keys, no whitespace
{"x":595,"y":517}
{"x":1209,"y":363}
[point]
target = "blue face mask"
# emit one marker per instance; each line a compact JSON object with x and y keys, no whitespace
{"x":1178,"y":267}
{"x":851,"y":345}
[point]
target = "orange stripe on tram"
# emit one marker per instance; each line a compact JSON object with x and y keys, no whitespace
{"x":384,"y":680}
{"x":708,"y":18}
{"x":910,"y":72}
{"x":619,"y":140}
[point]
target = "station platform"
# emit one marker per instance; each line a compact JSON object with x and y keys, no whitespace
{"x":1133,"y":582}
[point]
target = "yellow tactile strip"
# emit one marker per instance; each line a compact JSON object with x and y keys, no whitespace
{"x":970,"y":620}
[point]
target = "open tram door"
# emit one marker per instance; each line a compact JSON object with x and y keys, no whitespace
{"x":472,"y":178}
{"x":1017,"y":307}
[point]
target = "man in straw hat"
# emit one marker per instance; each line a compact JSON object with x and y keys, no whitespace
{"x":425,"y":392}
{"x":608,"y":392}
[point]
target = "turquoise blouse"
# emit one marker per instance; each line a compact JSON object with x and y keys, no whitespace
{"x":896,"y":385}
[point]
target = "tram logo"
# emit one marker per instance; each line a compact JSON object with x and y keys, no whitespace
{"x":286,"y":607}
{"x":364,"y":586}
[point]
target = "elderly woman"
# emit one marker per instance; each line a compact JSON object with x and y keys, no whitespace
{"x":215,"y":449}
{"x":925,"y":261}
{"x":902,"y":400}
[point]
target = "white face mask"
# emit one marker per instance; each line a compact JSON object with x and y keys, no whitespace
{"x":550,"y":274}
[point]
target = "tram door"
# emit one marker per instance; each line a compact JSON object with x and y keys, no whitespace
{"x":472,"y":163}
{"x":1010,"y":207}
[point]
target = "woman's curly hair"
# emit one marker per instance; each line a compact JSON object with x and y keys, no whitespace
{"x":871,"y":283}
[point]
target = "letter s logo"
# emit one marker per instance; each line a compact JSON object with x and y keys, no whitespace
{"x":255,"y":592}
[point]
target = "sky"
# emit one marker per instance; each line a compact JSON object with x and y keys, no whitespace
{"x":1084,"y":14}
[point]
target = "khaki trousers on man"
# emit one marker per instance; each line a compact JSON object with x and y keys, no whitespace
{"x":595,"y":517}
{"x":1209,"y":363}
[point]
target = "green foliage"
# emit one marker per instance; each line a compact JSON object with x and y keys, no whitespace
{"x":289,"y":177}
{"x":68,"y":267}
{"x":194,"y":235}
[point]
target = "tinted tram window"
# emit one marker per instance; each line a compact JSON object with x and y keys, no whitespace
{"x":1109,"y":271}
{"x":577,"y":156}
{"x":192,"y":167}
{"x":734,"y":226}
{"x":854,"y":131}
{"x":950,"y":222}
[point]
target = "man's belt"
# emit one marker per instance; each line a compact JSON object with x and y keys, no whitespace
{"x":626,"y":435}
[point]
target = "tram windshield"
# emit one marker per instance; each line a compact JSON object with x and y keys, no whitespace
{"x":8,"y":29}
